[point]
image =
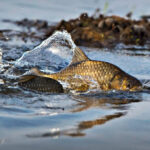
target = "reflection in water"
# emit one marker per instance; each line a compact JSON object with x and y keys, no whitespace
{"x":83,"y":125}
{"x":112,"y":101}
{"x":91,"y":123}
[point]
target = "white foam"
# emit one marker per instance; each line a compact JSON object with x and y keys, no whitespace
{"x":55,"y":52}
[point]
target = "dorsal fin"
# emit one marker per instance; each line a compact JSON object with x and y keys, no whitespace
{"x":78,"y":56}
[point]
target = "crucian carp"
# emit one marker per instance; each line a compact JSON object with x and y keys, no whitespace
{"x":84,"y":74}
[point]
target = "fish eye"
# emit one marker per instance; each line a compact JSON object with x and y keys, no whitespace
{"x":129,"y":85}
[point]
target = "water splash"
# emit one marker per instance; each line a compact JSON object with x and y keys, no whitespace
{"x":53,"y":54}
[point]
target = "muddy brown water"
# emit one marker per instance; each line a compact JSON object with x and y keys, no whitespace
{"x":102,"y":120}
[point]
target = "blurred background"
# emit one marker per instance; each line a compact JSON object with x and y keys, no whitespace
{"x":54,"y":10}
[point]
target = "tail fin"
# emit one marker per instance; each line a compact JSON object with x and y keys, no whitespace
{"x":25,"y":78}
{"x":34,"y":72}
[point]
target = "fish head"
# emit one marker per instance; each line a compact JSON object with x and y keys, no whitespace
{"x":131,"y":84}
{"x":126,"y":82}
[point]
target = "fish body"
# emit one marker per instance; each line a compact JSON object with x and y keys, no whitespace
{"x":42,"y":84}
{"x":83,"y":74}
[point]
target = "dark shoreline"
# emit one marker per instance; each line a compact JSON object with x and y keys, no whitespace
{"x":90,"y":31}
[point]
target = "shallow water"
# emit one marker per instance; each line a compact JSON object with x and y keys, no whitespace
{"x":106,"y":120}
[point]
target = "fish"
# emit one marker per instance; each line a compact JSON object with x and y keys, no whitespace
{"x":84,"y":74}
{"x":41,"y":84}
